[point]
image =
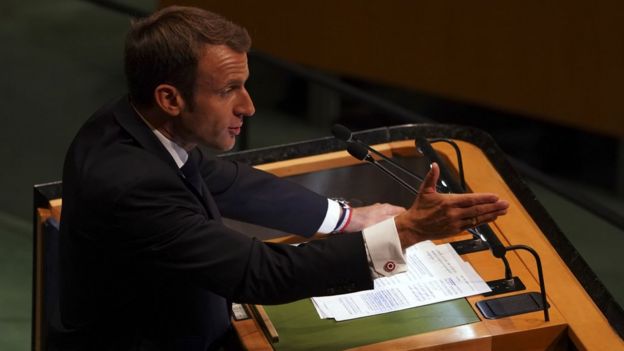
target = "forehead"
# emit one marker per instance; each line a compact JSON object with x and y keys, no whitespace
{"x":220,"y":63}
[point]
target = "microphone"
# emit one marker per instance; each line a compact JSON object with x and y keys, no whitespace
{"x":361,"y":153}
{"x":449,"y":181}
{"x":343,"y":133}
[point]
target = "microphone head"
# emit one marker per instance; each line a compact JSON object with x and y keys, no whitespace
{"x":341,"y":132}
{"x":358,"y":151}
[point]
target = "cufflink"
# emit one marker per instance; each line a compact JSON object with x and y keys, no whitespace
{"x":389,"y":266}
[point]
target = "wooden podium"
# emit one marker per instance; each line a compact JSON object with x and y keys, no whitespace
{"x":576,"y":321}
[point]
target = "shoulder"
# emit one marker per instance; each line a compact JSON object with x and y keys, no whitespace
{"x":99,"y":174}
{"x":123,"y":167}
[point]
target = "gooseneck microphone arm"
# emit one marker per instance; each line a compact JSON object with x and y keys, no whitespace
{"x":343,"y":133}
{"x":540,"y":275}
{"x":460,"y":164}
{"x":484,"y":231}
{"x":361,"y":153}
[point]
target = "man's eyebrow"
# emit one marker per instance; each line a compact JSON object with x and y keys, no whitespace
{"x":235,"y":81}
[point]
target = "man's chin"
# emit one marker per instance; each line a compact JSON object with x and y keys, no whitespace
{"x":222,"y":144}
{"x":225,"y":146}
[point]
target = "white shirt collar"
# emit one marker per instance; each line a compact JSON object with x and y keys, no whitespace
{"x":177,"y":152}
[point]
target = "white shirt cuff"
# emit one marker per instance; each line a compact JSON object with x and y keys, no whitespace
{"x":331,"y":218}
{"x":384,"y":249}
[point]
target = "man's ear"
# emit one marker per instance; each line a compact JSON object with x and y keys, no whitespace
{"x":169,"y":99}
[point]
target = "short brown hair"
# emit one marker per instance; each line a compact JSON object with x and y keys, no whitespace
{"x":166,"y":47}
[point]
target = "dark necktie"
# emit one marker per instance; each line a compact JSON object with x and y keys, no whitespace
{"x":192,"y":175}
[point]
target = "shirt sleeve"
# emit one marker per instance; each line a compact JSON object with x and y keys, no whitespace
{"x":331,"y":218}
{"x":385,"y":256}
{"x":381,"y":240}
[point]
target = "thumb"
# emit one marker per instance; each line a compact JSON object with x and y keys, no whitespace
{"x":431,"y":179}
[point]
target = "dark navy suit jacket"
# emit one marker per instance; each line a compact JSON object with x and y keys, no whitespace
{"x":140,"y":251}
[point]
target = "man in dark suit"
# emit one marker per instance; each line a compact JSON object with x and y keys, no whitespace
{"x":147,"y":263}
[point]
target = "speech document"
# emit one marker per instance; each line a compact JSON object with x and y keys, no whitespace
{"x":435,"y":273}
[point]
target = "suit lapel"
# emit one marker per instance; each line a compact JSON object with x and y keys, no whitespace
{"x":129,"y":120}
{"x":132,"y":123}
{"x":203,"y":194}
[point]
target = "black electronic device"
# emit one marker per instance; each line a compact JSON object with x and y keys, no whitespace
{"x":511,"y":305}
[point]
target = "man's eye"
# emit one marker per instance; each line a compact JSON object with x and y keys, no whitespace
{"x":228,"y":90}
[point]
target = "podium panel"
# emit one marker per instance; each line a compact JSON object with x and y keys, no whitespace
{"x":300,"y":327}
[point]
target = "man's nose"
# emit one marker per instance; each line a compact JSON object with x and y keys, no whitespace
{"x":246,"y":107}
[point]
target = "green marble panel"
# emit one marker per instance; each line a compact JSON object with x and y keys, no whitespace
{"x":300,"y":328}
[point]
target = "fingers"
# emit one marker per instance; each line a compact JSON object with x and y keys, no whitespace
{"x":468,"y":223}
{"x":482,"y":219}
{"x":483,"y":209}
{"x":431,"y":179}
{"x":483,"y":214}
{"x":489,"y":217}
{"x":472,"y":199}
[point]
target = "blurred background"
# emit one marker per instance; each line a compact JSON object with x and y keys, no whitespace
{"x":546,"y":80}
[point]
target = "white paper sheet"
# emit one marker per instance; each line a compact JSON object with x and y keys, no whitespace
{"x":435,"y":273}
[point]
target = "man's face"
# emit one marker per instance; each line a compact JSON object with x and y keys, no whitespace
{"x":220,"y":99}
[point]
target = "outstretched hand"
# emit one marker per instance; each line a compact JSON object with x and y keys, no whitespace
{"x":434,"y":215}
